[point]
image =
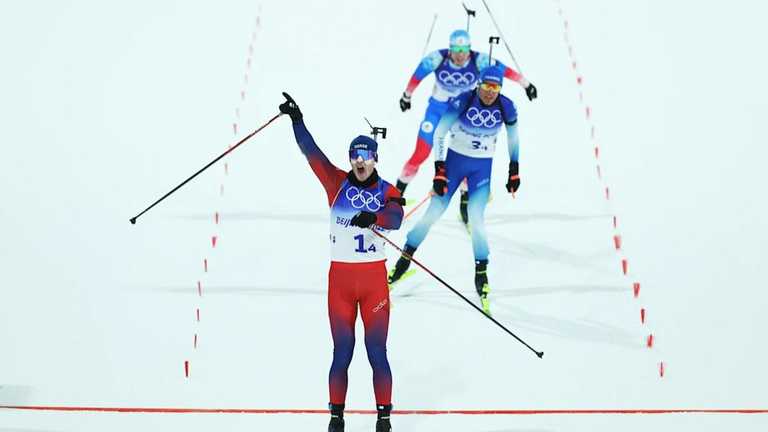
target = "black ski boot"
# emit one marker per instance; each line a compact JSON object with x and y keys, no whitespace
{"x":401,"y":186}
{"x":402,"y":265}
{"x":481,"y":284}
{"x":337,"y":418}
{"x":463,"y":207}
{"x":382,"y":420}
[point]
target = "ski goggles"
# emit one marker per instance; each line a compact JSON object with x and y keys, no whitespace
{"x":460,"y":48}
{"x":490,"y":86}
{"x":369,"y":156}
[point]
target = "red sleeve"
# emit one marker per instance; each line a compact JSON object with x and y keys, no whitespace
{"x":329,"y":175}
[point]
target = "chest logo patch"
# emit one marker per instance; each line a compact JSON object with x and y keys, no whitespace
{"x":456,"y":78}
{"x":483,"y":117}
{"x":361,"y":198}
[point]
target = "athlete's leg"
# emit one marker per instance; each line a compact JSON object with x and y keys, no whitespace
{"x":435,"y":110}
{"x":374,"y":309}
{"x":455,"y":168}
{"x":478,"y":182}
{"x":464,"y":202}
{"x":342,"y":312}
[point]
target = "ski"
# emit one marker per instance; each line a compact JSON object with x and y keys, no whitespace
{"x":406,"y":275}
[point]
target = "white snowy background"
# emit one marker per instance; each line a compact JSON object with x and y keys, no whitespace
{"x":104,"y":106}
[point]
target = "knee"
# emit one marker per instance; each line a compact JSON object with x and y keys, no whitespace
{"x":342,"y":353}
{"x":427,"y":129}
{"x":377,"y":354}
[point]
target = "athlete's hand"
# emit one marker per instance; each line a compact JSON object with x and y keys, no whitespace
{"x":513,"y":182}
{"x":289,"y":107}
{"x":531,"y":92}
{"x":363,"y":219}
{"x":440,"y":182}
{"x":405,"y":102}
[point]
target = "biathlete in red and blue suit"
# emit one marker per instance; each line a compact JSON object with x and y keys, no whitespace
{"x":359,"y":201}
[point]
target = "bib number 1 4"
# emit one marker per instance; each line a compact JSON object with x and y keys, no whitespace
{"x":361,"y":245}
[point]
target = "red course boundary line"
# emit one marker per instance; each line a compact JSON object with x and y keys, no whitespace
{"x":400,"y":412}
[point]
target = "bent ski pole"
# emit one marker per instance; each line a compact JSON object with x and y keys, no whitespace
{"x":133,"y":219}
{"x":495,"y":24}
{"x":540,"y":354}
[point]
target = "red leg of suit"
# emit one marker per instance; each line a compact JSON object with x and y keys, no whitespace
{"x":365,"y":285}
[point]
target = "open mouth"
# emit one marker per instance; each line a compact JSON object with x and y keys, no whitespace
{"x":360,"y":170}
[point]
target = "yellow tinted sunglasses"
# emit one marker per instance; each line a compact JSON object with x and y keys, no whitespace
{"x":489,"y":86}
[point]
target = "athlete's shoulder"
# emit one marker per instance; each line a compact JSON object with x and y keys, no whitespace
{"x":481,"y":60}
{"x":433,"y":59}
{"x":391,"y":193}
{"x":388,"y":188}
{"x":510,"y":111}
{"x":461,"y":100}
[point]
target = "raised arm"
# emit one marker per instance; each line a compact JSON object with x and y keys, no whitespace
{"x":329,"y":175}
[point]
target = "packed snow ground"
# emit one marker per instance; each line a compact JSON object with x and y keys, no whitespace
{"x":107,"y":106}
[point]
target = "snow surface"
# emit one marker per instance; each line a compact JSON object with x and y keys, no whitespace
{"x":107,"y":105}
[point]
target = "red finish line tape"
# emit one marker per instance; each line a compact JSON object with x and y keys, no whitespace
{"x":398,"y":412}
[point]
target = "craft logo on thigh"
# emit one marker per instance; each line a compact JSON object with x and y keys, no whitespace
{"x":380,"y":306}
{"x":427,"y":127}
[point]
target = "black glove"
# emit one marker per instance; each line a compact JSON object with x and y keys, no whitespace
{"x":513,"y":182}
{"x":363,"y":219}
{"x":531,"y":92}
{"x":289,"y":107}
{"x":405,"y":102}
{"x":440,"y":182}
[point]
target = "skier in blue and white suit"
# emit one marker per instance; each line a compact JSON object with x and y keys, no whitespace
{"x":456,"y":70}
{"x":473,"y":120}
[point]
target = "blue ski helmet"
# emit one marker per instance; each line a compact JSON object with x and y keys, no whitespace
{"x":362,"y":145}
{"x":459,"y":38}
{"x":492,"y":74}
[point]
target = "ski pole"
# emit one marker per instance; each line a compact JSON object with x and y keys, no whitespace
{"x":519,"y":69}
{"x":421,"y":203}
{"x":470,"y":13}
{"x":540,"y":354}
{"x":429,"y":36}
{"x":133,"y":219}
{"x":493,"y":40}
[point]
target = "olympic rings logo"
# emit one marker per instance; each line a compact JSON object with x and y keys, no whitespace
{"x":456,"y":78}
{"x":362,"y":198}
{"x":484,"y":117}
